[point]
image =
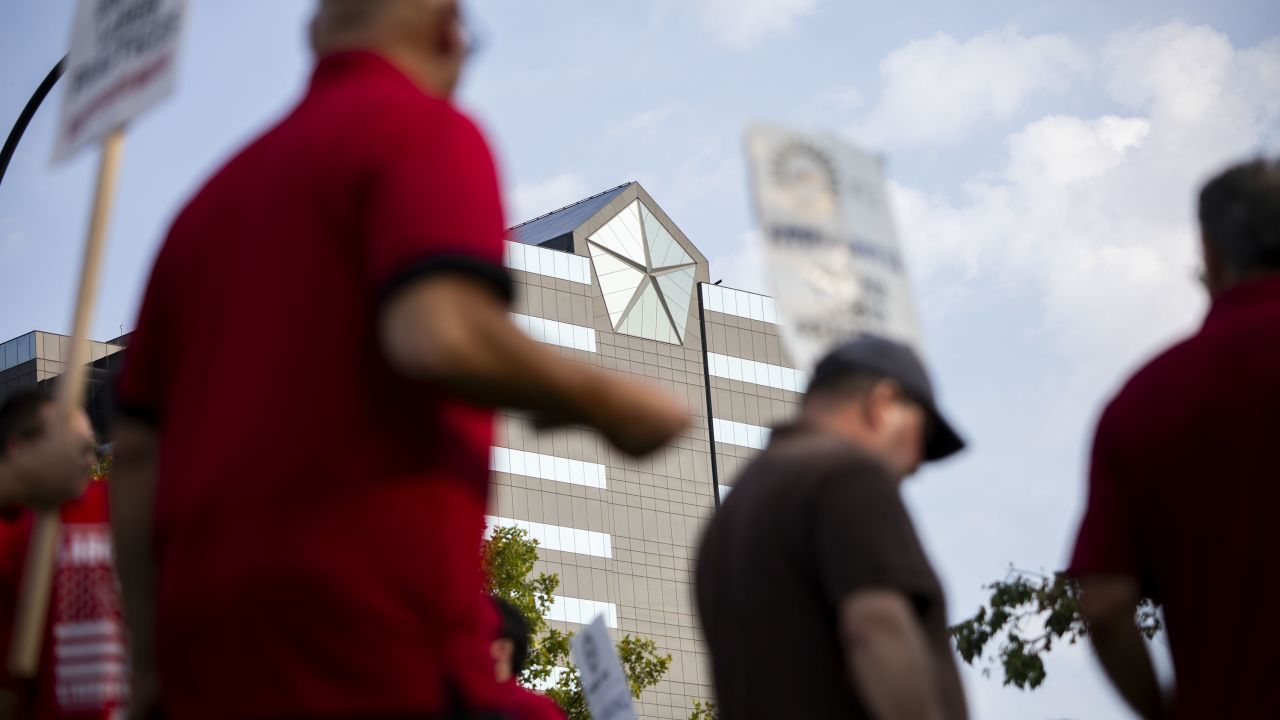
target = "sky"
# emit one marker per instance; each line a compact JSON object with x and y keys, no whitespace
{"x":1043,"y":159}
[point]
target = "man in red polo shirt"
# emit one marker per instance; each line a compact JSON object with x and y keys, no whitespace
{"x":1183,"y":490}
{"x":82,"y":674}
{"x":302,"y":474}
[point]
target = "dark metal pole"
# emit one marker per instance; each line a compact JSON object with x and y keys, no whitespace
{"x":24,"y":119}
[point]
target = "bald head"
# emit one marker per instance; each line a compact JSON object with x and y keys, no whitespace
{"x":422,"y":37}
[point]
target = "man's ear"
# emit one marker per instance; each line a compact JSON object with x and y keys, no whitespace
{"x":1215,"y":273}
{"x":878,"y":399}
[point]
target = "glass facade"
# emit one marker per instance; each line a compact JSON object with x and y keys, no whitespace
{"x":646,"y":276}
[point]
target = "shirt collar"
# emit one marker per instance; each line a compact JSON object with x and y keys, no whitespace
{"x":1245,"y":297}
{"x":338,"y":66}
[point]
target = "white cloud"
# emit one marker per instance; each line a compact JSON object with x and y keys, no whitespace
{"x":529,"y":200}
{"x":742,"y":24}
{"x":1095,"y":215}
{"x":939,"y":88}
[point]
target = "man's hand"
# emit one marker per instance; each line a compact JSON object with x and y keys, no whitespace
{"x":636,"y":417}
{"x":53,"y":468}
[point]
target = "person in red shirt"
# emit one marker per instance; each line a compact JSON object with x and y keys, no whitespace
{"x":1182,"y":488}
{"x":301,"y":469}
{"x":510,"y":651}
{"x":82,"y":671}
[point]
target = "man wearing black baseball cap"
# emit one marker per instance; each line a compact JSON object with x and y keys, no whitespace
{"x":815,"y":595}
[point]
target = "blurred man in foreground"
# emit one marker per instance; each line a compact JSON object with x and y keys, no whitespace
{"x":1183,"y":487}
{"x":300,"y":485}
{"x":82,"y":673}
{"x":815,"y":594}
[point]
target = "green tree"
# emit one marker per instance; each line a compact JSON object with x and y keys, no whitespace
{"x":704,"y":711}
{"x":1026,"y":615}
{"x":509,"y":557}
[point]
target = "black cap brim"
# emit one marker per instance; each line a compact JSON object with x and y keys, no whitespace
{"x":943,"y":439}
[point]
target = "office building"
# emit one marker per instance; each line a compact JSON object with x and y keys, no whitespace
{"x":612,"y":282}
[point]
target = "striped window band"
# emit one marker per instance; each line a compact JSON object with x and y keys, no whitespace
{"x":548,"y":467}
{"x":739,"y":302}
{"x":741,"y":434}
{"x":557,"y":537}
{"x":775,"y":376}
{"x":556,"y":333}
{"x":551,"y":263}
{"x":581,"y":611}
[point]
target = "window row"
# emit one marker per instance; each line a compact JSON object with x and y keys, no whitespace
{"x":556,"y":333}
{"x":548,"y":467}
{"x":17,"y":351}
{"x":552,"y":263}
{"x":775,"y":376}
{"x":583,"y":612}
{"x":742,"y":434}
{"x":739,"y":302}
{"x":558,"y":537}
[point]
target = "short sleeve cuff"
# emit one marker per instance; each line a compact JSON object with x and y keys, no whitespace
{"x":494,"y":276}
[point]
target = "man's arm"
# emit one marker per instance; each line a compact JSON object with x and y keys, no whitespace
{"x":132,"y":489}
{"x":453,"y":330}
{"x":888,"y":656}
{"x":1109,"y":604}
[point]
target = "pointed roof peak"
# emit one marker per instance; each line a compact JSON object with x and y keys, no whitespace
{"x":556,"y":223}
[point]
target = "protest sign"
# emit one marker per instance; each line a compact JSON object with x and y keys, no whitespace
{"x":833,"y":255}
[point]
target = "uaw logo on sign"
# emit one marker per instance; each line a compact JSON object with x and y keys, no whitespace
{"x":832,"y":251}
{"x":89,"y":658}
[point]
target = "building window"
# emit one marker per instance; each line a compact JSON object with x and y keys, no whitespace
{"x":581,"y":611}
{"x":740,"y":303}
{"x":759,"y":373}
{"x":548,"y":467}
{"x":551,"y":263}
{"x":558,"y":537}
{"x":556,"y":333}
{"x":741,"y":434}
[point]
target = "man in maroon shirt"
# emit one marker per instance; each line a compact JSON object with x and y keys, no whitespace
{"x":1183,"y":489}
{"x":301,"y":480}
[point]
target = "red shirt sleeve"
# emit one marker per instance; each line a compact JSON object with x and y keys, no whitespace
{"x":140,"y":386}
{"x":1107,"y":543}
{"x":433,"y":204}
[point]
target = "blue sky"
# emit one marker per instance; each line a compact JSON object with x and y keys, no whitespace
{"x":1043,"y":156}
